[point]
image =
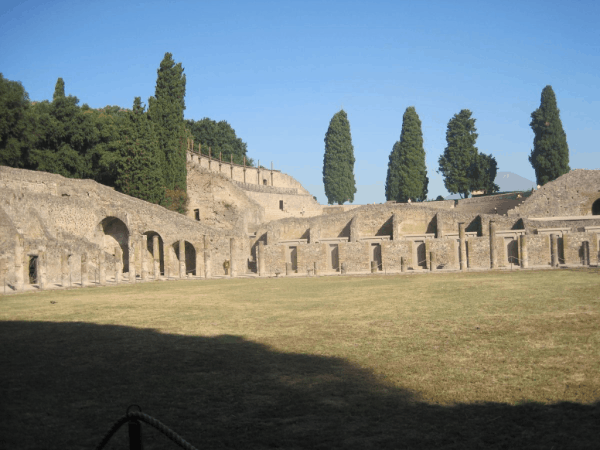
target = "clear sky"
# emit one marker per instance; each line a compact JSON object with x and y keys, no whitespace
{"x":277,"y":71}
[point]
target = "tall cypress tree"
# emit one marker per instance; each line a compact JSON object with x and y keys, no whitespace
{"x":407,"y":172}
{"x":338,"y":162}
{"x":550,"y":154}
{"x":59,"y":89}
{"x":166,"y":111}
{"x":138,"y":170}
{"x":460,"y":153}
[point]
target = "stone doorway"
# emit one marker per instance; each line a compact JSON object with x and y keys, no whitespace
{"x":33,"y":270}
{"x":512,"y":251}
{"x":292,"y":257}
{"x":376,"y":254}
{"x":334,"y":257}
{"x":420,"y":254}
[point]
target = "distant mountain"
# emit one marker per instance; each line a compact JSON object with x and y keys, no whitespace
{"x":507,"y":181}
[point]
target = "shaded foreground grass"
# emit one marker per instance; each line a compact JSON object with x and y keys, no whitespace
{"x":478,"y":360}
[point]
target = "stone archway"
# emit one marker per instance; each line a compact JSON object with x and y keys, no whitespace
{"x":115,"y":233}
{"x":596,"y":208}
{"x":152,"y":239}
{"x":189,"y":256}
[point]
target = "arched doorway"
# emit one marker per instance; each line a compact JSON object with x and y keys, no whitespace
{"x":115,"y":233}
{"x":190,"y":257}
{"x":153,"y":238}
{"x":596,"y":208}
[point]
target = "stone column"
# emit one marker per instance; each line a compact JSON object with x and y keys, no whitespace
{"x":118,"y":264}
{"x":463,"y":246}
{"x":403,"y":263}
{"x":41,"y":269}
{"x":260,"y":255}
{"x":288,"y":268}
{"x":167,"y":255}
{"x":181,"y":258}
{"x":524,"y":254}
{"x":316,"y":268}
{"x":232,"y":265}
{"x":156,"y":257}
{"x":132,"y":258}
{"x":439,"y":226}
{"x":64,"y":269}
{"x":493,"y":255}
{"x":101,"y":268}
{"x":207,"y":259}
{"x":554,"y":247}
{"x":19,"y":275}
{"x":396,"y":224}
{"x":84,"y":269}
{"x":432,"y":261}
{"x":143,"y":257}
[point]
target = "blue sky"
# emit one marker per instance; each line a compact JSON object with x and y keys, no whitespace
{"x":277,"y":71}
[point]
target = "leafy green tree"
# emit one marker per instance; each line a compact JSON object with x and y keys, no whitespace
{"x":166,"y":111}
{"x":407,"y":172}
{"x":14,"y":130}
{"x":460,"y":153}
{"x":138,"y":171}
{"x":338,"y":162}
{"x":59,"y":89}
{"x":550,"y":154}
{"x":220,"y":137}
{"x":483,"y":173}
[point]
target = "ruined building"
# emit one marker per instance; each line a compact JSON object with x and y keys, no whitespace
{"x":248,"y":221}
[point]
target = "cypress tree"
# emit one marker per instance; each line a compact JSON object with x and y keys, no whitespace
{"x":166,"y":111}
{"x":483,"y":173}
{"x":550,"y":154}
{"x":407,"y":172}
{"x":338,"y":162}
{"x":59,"y":89}
{"x":460,"y":153}
{"x":138,"y":170}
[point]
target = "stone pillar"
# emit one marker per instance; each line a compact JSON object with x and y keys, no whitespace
{"x":554,"y":247}
{"x":316,"y":268}
{"x":403,"y":263}
{"x":84,"y":269}
{"x":373,"y":266}
{"x":101,"y":268}
{"x":343,"y":268}
{"x":41,"y":269}
{"x":156,"y":257}
{"x":524,"y":254}
{"x":19,"y":275}
{"x":207,"y":272}
{"x":354,"y":233}
{"x":288,"y":268}
{"x":439,"y":226}
{"x":118,"y":264}
{"x":167,"y":255}
{"x":132,"y":259}
{"x":181,"y":249}
{"x":232,"y":265}
{"x":493,"y":255}
{"x":260,"y":255}
{"x":143,"y":257}
{"x":463,"y":246}
{"x":432,"y":261}
{"x":396,"y":224}
{"x":64,"y":269}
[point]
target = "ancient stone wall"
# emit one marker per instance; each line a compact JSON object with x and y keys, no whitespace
{"x":572,"y":194}
{"x":393,"y":252}
{"x":355,"y":255}
{"x":446,"y":251}
{"x":538,"y":248}
{"x":478,"y":252}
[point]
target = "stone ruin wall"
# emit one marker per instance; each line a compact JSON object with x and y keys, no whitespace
{"x":53,"y":215}
{"x":569,"y":195}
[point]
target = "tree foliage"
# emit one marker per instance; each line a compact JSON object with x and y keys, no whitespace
{"x":221,"y":138}
{"x":460,"y":153}
{"x":407,"y":172}
{"x":550,"y":154}
{"x":483,"y":173}
{"x":338,"y":162}
{"x":138,"y":171}
{"x":14,"y":130}
{"x":166,"y":111}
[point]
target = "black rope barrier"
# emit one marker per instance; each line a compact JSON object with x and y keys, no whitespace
{"x":135,"y":431}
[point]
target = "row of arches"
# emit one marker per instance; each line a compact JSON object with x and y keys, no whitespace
{"x":115,"y":236}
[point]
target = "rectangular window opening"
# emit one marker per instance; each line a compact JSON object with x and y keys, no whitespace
{"x":197,"y":214}
{"x":281,"y":205}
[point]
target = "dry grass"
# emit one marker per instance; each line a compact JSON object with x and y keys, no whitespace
{"x":494,"y":360}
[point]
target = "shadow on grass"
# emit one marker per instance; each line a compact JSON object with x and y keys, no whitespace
{"x":62,"y":385}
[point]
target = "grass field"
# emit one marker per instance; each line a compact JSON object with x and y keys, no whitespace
{"x":475,"y":360}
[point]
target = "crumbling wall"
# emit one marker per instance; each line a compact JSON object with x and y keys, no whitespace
{"x":478,"y":252}
{"x":538,"y":249}
{"x":355,"y":255}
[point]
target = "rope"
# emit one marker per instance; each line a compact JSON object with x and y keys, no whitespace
{"x":150,"y":421}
